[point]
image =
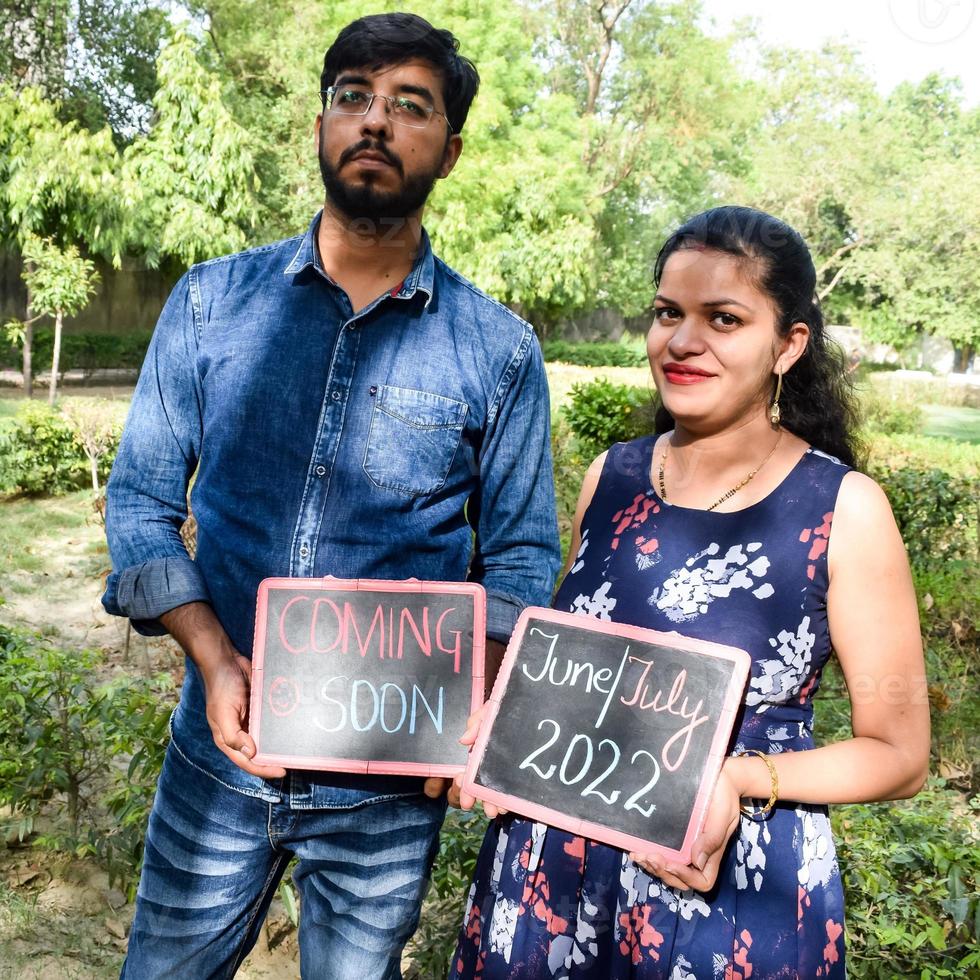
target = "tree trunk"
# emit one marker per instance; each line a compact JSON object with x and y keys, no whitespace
{"x":28,"y":344}
{"x":55,"y":357}
{"x":93,"y":461}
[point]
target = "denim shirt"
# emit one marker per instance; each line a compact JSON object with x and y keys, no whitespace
{"x":409,"y":440}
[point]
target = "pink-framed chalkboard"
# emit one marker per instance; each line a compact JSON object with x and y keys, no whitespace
{"x":611,"y":732}
{"x":363,"y":675}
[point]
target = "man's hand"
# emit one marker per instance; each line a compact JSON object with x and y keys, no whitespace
{"x":435,"y":787}
{"x":227,"y":679}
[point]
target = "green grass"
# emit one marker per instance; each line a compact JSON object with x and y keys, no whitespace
{"x":8,"y":407}
{"x":24,"y":521}
{"x":959,"y":423}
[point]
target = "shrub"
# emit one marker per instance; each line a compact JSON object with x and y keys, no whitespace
{"x":959,"y":459}
{"x":48,"y":729}
{"x":45,"y":450}
{"x":911,"y":874}
{"x":883,"y":414}
{"x":571,"y":460}
{"x":84,"y":351}
{"x":595,"y":354}
{"x":86,"y":754}
{"x":935,"y":512}
{"x":432,"y":946}
{"x":925,"y":390}
{"x":38,"y":453}
{"x":601,"y":413}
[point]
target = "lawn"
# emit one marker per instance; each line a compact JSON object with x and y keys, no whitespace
{"x":952,"y":422}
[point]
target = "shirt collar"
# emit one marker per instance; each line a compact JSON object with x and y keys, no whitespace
{"x":420,"y":279}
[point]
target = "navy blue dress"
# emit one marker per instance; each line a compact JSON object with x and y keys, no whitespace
{"x":547,"y":904}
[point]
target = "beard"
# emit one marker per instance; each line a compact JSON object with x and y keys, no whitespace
{"x":364,"y":201}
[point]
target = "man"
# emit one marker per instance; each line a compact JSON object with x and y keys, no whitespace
{"x":352,"y":407}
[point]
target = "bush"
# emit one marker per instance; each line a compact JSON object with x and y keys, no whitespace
{"x":911,"y":874}
{"x":84,"y":753}
{"x":959,"y":459}
{"x":920,"y":388}
{"x":83,"y":351}
{"x":883,"y":414}
{"x":432,"y":946}
{"x":601,"y":413}
{"x":38,"y":453}
{"x":935,"y":511}
{"x":597,"y":354}
{"x":46,"y":451}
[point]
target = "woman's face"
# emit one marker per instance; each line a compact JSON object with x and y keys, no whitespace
{"x":713,"y":345}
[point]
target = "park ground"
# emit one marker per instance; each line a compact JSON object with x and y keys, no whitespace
{"x":60,"y":916}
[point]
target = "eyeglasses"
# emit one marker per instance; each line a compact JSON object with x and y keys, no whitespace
{"x":403,"y":110}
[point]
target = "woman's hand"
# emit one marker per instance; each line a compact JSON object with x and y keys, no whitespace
{"x":709,"y":846}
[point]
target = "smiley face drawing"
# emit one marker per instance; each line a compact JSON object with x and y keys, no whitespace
{"x":283,"y":696}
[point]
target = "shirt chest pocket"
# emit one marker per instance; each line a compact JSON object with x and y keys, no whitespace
{"x":413,"y":438}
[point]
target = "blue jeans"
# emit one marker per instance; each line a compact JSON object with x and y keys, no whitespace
{"x":214,"y":858}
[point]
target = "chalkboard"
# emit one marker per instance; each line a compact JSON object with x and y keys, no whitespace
{"x":611,"y":732}
{"x":366,"y":676}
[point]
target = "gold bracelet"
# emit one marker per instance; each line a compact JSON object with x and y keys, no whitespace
{"x":774,"y":793}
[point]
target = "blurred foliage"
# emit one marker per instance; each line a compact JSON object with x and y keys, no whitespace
{"x":595,"y":353}
{"x":82,"y":351}
{"x":44,"y":450}
{"x":597,"y":128}
{"x":601,"y":412}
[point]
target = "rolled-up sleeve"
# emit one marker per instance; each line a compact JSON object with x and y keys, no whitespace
{"x":517,"y":554}
{"x":146,"y":501}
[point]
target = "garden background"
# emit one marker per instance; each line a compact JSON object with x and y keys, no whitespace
{"x":137,"y":137}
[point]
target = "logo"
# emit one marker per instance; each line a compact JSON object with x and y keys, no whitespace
{"x":932,"y":21}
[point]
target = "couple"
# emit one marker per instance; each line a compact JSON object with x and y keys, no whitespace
{"x":355,"y":408}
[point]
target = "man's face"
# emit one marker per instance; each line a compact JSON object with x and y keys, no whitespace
{"x":375,"y":168}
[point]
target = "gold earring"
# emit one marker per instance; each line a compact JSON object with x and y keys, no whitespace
{"x":774,"y":409}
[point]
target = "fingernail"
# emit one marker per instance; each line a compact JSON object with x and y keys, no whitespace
{"x":701,"y":861}
{"x":246,"y":751}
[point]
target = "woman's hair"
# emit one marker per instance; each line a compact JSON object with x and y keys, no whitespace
{"x":382,"y":40}
{"x":817,"y":402}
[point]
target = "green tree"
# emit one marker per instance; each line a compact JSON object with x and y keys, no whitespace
{"x":94,"y":58}
{"x":61,"y":282}
{"x":189,"y":185}
{"x":57,"y":181}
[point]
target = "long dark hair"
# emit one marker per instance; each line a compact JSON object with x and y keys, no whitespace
{"x":817,"y":402}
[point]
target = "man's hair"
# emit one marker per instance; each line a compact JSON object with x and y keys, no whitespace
{"x":382,"y":40}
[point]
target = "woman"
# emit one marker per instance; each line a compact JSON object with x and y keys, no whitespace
{"x":741,"y":521}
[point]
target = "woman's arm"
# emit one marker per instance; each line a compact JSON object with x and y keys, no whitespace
{"x":874,"y":627}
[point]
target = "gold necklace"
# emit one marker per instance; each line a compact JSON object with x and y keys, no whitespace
{"x":730,"y":493}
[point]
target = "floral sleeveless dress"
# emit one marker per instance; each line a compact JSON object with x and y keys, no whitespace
{"x":547,"y":904}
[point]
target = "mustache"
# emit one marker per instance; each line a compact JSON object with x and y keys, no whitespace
{"x":374,"y":147}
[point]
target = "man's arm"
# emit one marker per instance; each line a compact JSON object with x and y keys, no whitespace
{"x":517,"y":554}
{"x":147,"y":492}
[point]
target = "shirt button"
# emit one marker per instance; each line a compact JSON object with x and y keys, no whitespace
{"x":304,"y":551}
{"x":373,"y":389}
{"x":320,"y":470}
{"x":351,"y":326}
{"x":336,"y":396}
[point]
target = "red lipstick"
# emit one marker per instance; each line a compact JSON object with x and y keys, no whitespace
{"x":684,"y":374}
